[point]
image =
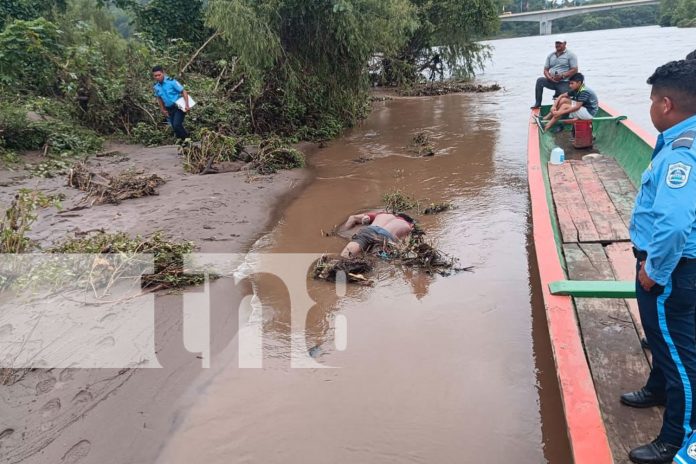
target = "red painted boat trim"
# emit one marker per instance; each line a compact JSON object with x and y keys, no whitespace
{"x":586,"y":432}
{"x":632,"y":126}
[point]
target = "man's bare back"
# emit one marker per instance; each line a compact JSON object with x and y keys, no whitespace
{"x":382,"y":227}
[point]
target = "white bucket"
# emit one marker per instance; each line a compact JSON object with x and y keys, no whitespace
{"x":557,"y":156}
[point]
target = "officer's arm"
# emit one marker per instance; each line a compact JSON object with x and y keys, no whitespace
{"x":674,"y":211}
{"x":161,"y":105}
{"x":186,"y":99}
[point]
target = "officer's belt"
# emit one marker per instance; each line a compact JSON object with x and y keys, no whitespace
{"x":641,"y":255}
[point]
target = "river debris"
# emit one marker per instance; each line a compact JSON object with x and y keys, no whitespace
{"x":273,"y":154}
{"x":105,"y":188}
{"x":327,"y":268}
{"x":363,"y":159}
{"x":213,"y":148}
{"x":435,"y":208}
{"x":422,"y":144}
{"x":446,"y":87}
{"x":397,"y":201}
{"x":415,"y":252}
{"x":268,"y":157}
{"x":168,"y":256}
{"x":18,"y":218}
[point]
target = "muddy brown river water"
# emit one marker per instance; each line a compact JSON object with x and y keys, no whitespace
{"x":423,"y":368}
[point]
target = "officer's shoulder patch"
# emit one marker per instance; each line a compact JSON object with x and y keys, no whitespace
{"x":691,"y":451}
{"x":677,"y":175}
{"x":684,"y":140}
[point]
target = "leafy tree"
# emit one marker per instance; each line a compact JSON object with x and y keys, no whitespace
{"x":172,"y":19}
{"x":306,"y":61}
{"x":30,"y":56}
{"x":445,"y":39}
{"x":28,"y":9}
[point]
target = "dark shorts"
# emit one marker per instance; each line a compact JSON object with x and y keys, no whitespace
{"x":371,"y":236}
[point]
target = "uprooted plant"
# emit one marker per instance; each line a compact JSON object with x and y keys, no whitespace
{"x":273,"y":155}
{"x":168,"y":256}
{"x":18,"y":218}
{"x":329,"y":268}
{"x":105,"y":188}
{"x":397,"y":201}
{"x":201,"y":157}
{"x":422,"y":144}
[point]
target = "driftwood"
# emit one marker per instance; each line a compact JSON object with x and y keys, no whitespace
{"x":326,"y":268}
{"x":445,"y":87}
{"x":104,"y":188}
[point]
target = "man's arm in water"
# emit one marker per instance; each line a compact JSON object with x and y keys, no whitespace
{"x":356,"y":219}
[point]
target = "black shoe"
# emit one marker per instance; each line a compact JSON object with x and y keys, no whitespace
{"x":657,"y":452}
{"x":644,"y":343}
{"x":642,"y":398}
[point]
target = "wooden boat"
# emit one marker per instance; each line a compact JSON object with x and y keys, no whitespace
{"x":580,"y":213}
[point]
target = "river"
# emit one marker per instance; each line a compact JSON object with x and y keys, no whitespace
{"x":425,"y":369}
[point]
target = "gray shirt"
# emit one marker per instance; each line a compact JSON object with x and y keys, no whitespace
{"x":561,"y":64}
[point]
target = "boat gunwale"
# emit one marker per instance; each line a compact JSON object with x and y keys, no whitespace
{"x":585,"y":427}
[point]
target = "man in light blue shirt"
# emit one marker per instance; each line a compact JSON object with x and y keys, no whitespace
{"x":168,"y":91}
{"x":559,"y":66}
{"x":663,"y":233}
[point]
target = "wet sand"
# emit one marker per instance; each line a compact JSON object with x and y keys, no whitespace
{"x":124,"y":415}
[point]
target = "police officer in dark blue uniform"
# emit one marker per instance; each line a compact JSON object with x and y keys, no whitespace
{"x":168,"y":91}
{"x":663,"y":232}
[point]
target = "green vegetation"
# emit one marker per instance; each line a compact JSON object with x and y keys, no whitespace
{"x":168,"y":256}
{"x":680,"y":13}
{"x":75,"y":71}
{"x":17,"y":219}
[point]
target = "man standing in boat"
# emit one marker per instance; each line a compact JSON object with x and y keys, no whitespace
{"x":663,"y":232}
{"x":559,"y":66}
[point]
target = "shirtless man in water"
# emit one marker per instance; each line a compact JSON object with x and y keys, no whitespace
{"x":382,"y":227}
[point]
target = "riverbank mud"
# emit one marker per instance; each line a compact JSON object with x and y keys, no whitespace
{"x":123,"y":415}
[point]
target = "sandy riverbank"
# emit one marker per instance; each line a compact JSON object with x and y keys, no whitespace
{"x":123,"y":416}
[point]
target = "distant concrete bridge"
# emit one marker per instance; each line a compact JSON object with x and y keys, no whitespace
{"x":545,"y":17}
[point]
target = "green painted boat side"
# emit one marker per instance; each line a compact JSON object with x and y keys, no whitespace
{"x":632,"y":147}
{"x":594,"y":288}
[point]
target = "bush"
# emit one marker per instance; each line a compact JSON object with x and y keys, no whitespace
{"x":151,"y":135}
{"x":31,"y":56}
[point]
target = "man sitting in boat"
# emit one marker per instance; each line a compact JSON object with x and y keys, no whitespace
{"x":580,"y":103}
{"x":380,"y":229}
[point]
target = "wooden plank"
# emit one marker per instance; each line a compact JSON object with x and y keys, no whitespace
{"x":624,"y":266}
{"x":606,"y":219}
{"x":594,"y":288}
{"x":573,"y":216}
{"x":618,"y":186}
{"x":613,"y":349}
{"x":584,"y":424}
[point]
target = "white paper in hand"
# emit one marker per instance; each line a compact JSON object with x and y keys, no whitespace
{"x":182,"y":104}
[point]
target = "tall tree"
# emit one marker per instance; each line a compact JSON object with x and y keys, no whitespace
{"x":445,"y":40}
{"x":311,"y":55}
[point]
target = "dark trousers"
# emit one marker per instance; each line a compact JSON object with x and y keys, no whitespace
{"x":668,"y":317}
{"x":542,"y":82}
{"x":176,"y":119}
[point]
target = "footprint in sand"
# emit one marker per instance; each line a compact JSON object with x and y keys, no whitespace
{"x":51,"y":408}
{"x":66,"y":375}
{"x":78,"y":452}
{"x":45,"y":386}
{"x":6,"y":330}
{"x":108,"y":341}
{"x":83,"y":396}
{"x":6,"y":433}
